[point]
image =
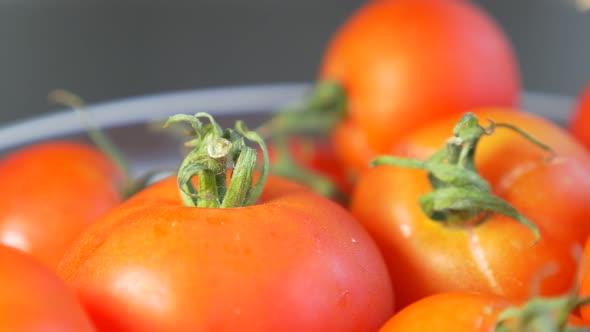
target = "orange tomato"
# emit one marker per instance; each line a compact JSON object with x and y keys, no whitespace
{"x":294,"y":261}
{"x":50,"y":192}
{"x":404,"y":63}
{"x":495,"y":256}
{"x":457,"y":312}
{"x":33,"y":298}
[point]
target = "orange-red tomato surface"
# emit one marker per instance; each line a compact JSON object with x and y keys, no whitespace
{"x":50,"y":192}
{"x":404,"y":63}
{"x":33,"y":298}
{"x":454,"y":312}
{"x":294,"y":261}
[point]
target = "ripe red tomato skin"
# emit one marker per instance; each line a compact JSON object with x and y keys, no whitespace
{"x":50,"y":192}
{"x":437,"y":259}
{"x":579,"y":123}
{"x":406,"y":62}
{"x":294,"y":261}
{"x":33,"y":298}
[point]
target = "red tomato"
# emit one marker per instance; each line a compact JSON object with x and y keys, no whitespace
{"x":580,"y":121}
{"x":406,"y":62}
{"x":33,"y":298}
{"x":295,"y":261}
{"x":495,"y":256}
{"x":50,"y":192}
{"x":457,"y":312}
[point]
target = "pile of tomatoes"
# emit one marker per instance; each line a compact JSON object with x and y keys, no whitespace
{"x":409,"y":192}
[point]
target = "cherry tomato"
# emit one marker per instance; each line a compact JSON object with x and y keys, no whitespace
{"x":462,"y":312}
{"x":403,"y":63}
{"x":50,"y":192}
{"x":580,"y":121}
{"x":496,"y":255}
{"x":33,"y":298}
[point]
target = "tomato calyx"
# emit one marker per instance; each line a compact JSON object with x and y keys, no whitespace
{"x":541,"y":314}
{"x":319,"y":113}
{"x":460,"y":196}
{"x":217,"y":153}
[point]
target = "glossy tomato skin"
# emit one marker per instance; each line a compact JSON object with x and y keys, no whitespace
{"x":496,"y":256}
{"x":50,"y":192}
{"x":580,"y":121}
{"x":295,"y":261}
{"x":33,"y":298}
{"x":452,"y":311}
{"x":406,"y":62}
{"x":455,"y":312}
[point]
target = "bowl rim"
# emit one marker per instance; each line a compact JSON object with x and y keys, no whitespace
{"x":219,"y":101}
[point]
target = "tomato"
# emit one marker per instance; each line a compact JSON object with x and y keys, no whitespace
{"x":458,"y":312}
{"x":406,"y":62}
{"x":176,"y":258}
{"x":50,"y":192}
{"x":579,"y":123}
{"x":495,"y":256}
{"x":33,"y":298}
{"x":517,"y":172}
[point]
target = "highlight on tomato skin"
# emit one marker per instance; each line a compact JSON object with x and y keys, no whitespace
{"x":50,"y":192}
{"x":495,"y":255}
{"x":178,"y":256}
{"x":34,"y":298}
{"x":403,"y":63}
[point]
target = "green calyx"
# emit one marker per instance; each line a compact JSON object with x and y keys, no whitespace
{"x":542,"y":314}
{"x":460,"y":195}
{"x":320,"y":112}
{"x":218,"y":155}
{"x":317,"y":115}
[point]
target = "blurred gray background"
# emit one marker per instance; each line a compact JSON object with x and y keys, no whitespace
{"x":114,"y":49}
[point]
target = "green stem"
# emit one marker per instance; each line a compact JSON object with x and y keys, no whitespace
{"x":319,"y":113}
{"x":217,"y":153}
{"x":97,"y":136}
{"x":459,"y":193}
{"x":541,"y":314}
